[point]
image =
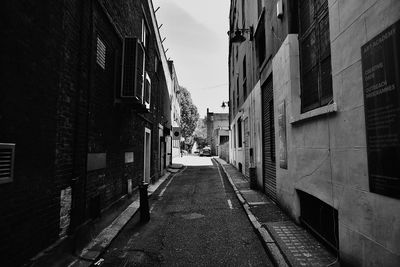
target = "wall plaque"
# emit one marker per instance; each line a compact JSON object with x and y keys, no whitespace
{"x":380,"y":59}
{"x":282,"y":135}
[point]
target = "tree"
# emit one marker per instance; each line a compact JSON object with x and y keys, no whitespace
{"x":200,"y":133}
{"x":189,"y":113}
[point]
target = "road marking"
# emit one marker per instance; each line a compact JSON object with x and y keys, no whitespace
{"x":230,"y":204}
{"x":220,"y":176}
{"x":258,"y":203}
{"x":72,"y":263}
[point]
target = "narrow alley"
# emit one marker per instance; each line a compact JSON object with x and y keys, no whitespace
{"x":196,"y":220}
{"x":200,"y":133}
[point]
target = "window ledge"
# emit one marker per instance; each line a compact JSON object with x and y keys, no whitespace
{"x":332,"y":108}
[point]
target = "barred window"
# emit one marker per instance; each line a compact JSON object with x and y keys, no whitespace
{"x":315,"y":54}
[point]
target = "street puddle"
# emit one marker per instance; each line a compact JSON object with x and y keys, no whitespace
{"x":193,"y":216}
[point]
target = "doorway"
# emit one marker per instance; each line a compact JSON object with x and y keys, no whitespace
{"x":269,"y":168}
{"x":147,"y":155}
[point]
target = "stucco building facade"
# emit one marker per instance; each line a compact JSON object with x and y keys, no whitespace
{"x":305,"y":98}
{"x":217,"y":130}
{"x":175,"y":108}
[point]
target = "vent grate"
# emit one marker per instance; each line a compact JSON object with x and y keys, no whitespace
{"x":101,"y":53}
{"x":6,"y":162}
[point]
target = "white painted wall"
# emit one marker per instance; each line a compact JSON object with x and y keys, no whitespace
{"x":252,"y":110}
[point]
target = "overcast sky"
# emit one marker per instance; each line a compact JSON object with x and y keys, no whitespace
{"x":197,"y":42}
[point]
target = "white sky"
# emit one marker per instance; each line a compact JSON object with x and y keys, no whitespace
{"x":197,"y":42}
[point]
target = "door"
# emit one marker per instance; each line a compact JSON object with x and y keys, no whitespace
{"x":162,"y":155}
{"x":246,"y":147}
{"x":269,"y":167}
{"x":168,"y":143}
{"x":147,"y":155}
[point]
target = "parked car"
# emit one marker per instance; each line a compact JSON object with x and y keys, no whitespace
{"x":205,"y":152}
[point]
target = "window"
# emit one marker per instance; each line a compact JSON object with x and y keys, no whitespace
{"x":6,"y":162}
{"x":133,"y":69}
{"x":260,"y":43}
{"x":244,"y":79}
{"x":238,"y":92}
{"x":234,"y":136}
{"x":147,"y":91}
{"x":145,"y":34}
{"x":239,"y":123}
{"x":315,"y":54}
{"x":259,"y":7}
{"x":233,"y":106}
{"x":243,"y":13}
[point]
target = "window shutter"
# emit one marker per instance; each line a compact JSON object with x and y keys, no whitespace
{"x":128,"y":67}
{"x":140,"y":63}
{"x":6,"y":162}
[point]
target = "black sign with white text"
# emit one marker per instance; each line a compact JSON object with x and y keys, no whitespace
{"x":381,"y":81}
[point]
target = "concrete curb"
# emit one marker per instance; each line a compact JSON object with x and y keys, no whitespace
{"x":269,"y":242}
{"x":100,"y":243}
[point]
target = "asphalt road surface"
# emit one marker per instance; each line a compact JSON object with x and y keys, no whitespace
{"x":196,"y":220}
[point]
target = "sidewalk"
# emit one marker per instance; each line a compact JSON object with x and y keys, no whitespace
{"x":60,"y":256}
{"x":288,"y":243}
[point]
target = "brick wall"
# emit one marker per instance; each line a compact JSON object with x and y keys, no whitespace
{"x":30,"y":64}
{"x":57,"y":106}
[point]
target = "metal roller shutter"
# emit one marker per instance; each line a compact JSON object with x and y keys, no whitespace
{"x":269,"y":168}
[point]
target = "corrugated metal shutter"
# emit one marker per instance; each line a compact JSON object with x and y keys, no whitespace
{"x":269,"y":168}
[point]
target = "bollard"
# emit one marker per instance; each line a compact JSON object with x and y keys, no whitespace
{"x":253,"y":178}
{"x":144,"y":203}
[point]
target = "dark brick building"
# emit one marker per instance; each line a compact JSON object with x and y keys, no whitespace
{"x":84,"y":115}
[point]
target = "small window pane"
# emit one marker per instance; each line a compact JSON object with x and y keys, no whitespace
{"x":309,"y":96}
{"x":324,"y":39}
{"x":309,"y":50}
{"x":306,"y":14}
{"x":326,"y":81}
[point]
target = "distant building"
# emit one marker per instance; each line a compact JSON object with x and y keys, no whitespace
{"x":314,"y":106}
{"x":217,"y":130}
{"x":85,"y":116}
{"x":175,"y":108}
